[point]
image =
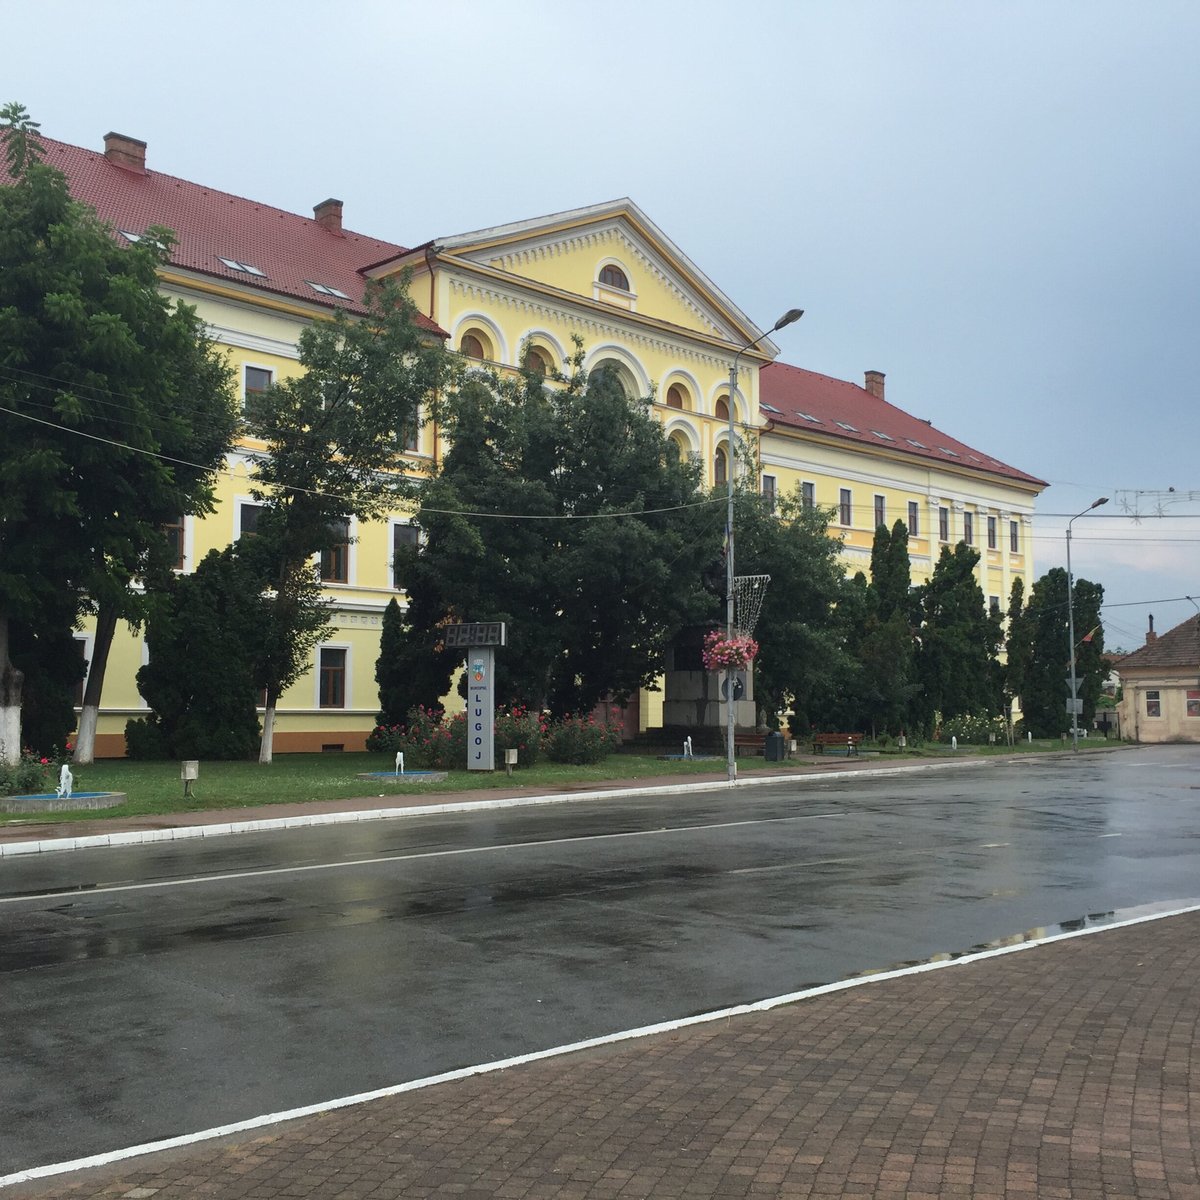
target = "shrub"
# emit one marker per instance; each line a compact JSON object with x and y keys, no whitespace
{"x":973,"y":731}
{"x":519,"y":729}
{"x":581,"y":740}
{"x":30,"y":773}
{"x":144,"y":740}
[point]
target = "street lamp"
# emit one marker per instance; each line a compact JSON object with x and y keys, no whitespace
{"x":792,"y":315}
{"x":1071,"y":624}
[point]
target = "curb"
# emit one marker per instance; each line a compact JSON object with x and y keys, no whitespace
{"x":140,"y":837}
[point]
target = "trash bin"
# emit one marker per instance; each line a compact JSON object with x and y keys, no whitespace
{"x":773,"y":747}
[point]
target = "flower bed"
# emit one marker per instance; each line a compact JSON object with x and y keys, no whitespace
{"x":430,"y":739}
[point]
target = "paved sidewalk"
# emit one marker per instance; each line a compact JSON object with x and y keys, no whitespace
{"x":1070,"y":1069}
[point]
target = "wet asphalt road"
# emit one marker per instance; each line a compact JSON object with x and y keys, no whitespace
{"x":158,"y":990}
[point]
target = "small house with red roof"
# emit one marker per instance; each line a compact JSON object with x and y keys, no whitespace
{"x":1161,"y":686}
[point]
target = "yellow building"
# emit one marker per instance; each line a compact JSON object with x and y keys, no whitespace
{"x":604,"y":274}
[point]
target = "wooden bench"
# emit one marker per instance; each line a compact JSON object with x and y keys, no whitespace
{"x":750,"y":743}
{"x":836,"y":741}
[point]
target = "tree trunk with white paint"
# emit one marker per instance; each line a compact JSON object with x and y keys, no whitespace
{"x":85,"y":738}
{"x":268,"y":731}
{"x":12,"y":683}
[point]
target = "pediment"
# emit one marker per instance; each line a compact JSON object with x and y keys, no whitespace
{"x":565,"y":251}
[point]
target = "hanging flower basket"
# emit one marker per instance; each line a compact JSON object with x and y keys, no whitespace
{"x":722,"y":653}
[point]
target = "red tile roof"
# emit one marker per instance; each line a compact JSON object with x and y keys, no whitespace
{"x":1178,"y":648}
{"x":289,"y":249}
{"x":793,"y":398}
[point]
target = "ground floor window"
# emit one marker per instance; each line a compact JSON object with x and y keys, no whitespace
{"x":332,"y":678}
{"x":1153,"y":705}
{"x":1193,"y":702}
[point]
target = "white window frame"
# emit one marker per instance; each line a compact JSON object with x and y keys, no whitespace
{"x":393,"y":522}
{"x":348,"y":691}
{"x":351,"y":557}
{"x":771,"y":493}
{"x":238,"y":501}
{"x":255,"y":366}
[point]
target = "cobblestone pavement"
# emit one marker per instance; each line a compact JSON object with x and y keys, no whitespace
{"x":1063,"y":1070}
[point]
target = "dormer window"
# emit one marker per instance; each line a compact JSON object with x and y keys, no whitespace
{"x":326,"y":290}
{"x":614,"y":277}
{"x":236,"y":265}
{"x":808,"y":417}
{"x":846,"y":426}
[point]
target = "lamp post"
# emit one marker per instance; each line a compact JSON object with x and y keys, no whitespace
{"x":1071,"y":624}
{"x":792,"y":315}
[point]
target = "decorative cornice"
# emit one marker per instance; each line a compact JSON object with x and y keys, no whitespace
{"x":583,"y":321}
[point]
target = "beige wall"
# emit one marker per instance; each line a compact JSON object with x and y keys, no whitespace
{"x":1174,"y":724}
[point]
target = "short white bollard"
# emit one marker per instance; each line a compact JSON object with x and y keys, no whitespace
{"x":954,"y":743}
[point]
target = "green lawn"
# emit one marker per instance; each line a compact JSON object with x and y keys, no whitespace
{"x":155,"y":787}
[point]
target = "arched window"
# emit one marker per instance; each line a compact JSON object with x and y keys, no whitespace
{"x":722,"y":409}
{"x":676,"y":397}
{"x":614,"y":277}
{"x":720,"y":465}
{"x":537,"y":362}
{"x":472,"y":346}
{"x":619,"y":373}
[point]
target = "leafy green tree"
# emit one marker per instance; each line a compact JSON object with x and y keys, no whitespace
{"x":891,"y":571}
{"x":1017,"y":644}
{"x":200,"y":681}
{"x":332,"y":438}
{"x":1042,"y":643}
{"x":886,"y":649}
{"x":114,"y":411}
{"x":564,"y":511}
{"x":801,"y":631}
{"x":390,"y":672}
{"x":959,"y":639}
{"x":49,"y":657}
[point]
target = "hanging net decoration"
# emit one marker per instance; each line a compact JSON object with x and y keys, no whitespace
{"x":748,"y":593}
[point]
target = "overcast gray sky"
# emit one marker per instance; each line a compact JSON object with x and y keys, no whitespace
{"x":993,"y":203}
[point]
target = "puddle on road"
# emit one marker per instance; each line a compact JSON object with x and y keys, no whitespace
{"x":1096,"y":920}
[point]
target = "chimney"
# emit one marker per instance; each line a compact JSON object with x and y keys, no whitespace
{"x":874,"y":384}
{"x":329,"y":215}
{"x":125,"y":152}
{"x":1151,"y":636}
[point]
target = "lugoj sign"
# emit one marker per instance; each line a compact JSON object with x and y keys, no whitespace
{"x":481,"y":710}
{"x":479,"y":641}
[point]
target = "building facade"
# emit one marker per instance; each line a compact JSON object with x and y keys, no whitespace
{"x":522,"y":294}
{"x":1161,"y":686}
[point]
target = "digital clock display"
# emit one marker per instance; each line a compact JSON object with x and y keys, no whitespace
{"x":479,"y":633}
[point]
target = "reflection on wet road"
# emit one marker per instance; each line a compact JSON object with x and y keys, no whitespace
{"x":160,"y":989}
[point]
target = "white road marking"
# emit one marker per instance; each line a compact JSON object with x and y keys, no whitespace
{"x":311,"y":1110}
{"x":142,"y":837}
{"x":192,"y":880}
{"x":1106,"y":835}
